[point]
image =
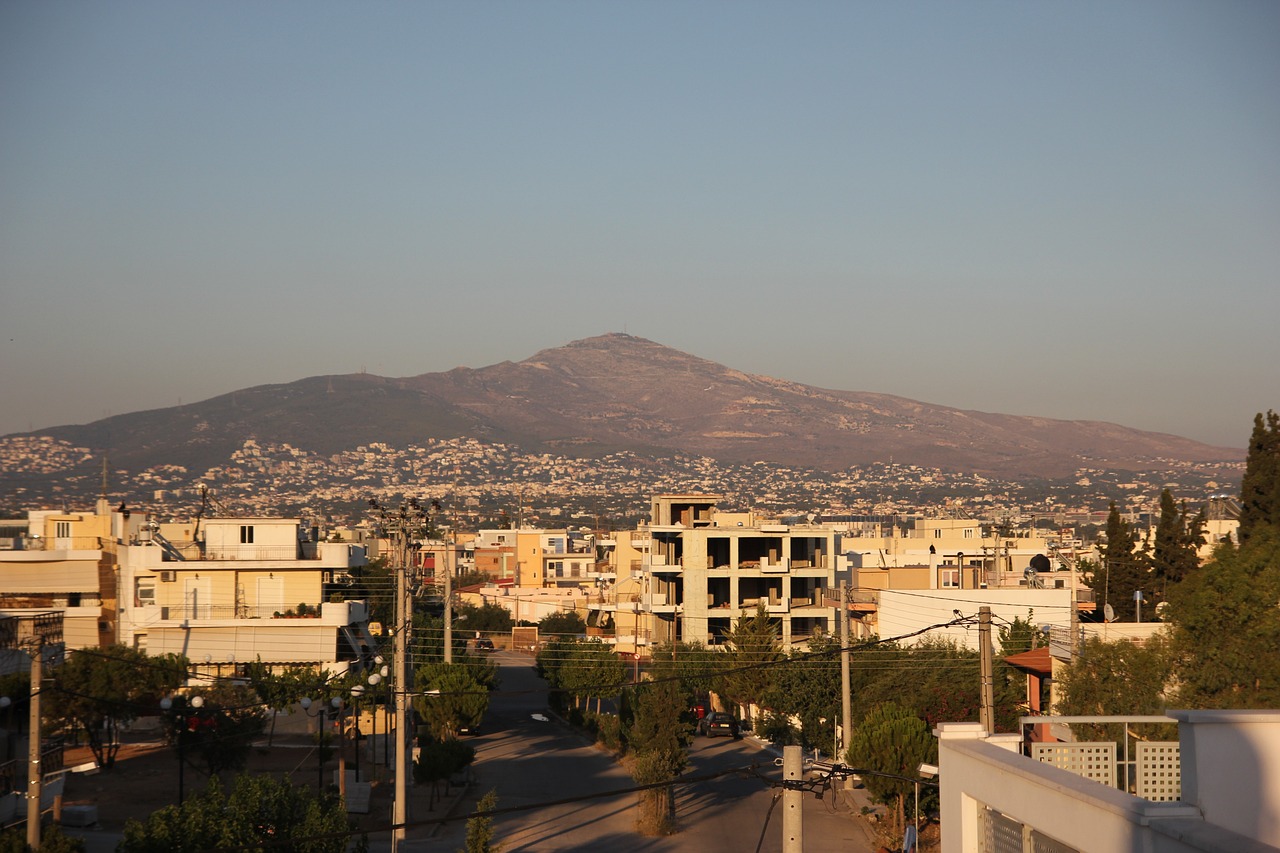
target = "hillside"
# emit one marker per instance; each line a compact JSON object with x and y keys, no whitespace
{"x":616,"y":392}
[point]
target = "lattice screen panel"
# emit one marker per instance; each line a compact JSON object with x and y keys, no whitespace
{"x":1096,"y":761}
{"x":1159,"y":771}
{"x":1000,"y":834}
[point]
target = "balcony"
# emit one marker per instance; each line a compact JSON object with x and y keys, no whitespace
{"x":657,"y":564}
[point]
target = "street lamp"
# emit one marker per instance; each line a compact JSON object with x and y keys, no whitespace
{"x":306,"y":704}
{"x":183,"y":724}
{"x":357,"y":693}
{"x":928,"y":771}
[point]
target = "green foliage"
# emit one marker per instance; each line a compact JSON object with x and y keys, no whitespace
{"x":98,"y":691}
{"x":657,"y":721}
{"x":1178,"y":539}
{"x":217,"y":737}
{"x":560,"y":623}
{"x":480,"y":827}
{"x":259,"y":811}
{"x":891,"y":742}
{"x":441,"y":759}
{"x":808,"y":688}
{"x":1260,"y":487}
{"x":488,"y":619}
{"x":695,"y":665}
{"x":753,"y":641}
{"x":52,"y":840}
{"x":1112,"y":679}
{"x":657,"y":735}
{"x":452,"y":699}
{"x":777,"y":729}
{"x":581,"y":668}
{"x":1227,"y":627}
{"x":1123,"y":571}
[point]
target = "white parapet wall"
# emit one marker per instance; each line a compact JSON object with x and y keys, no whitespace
{"x":1231,"y":762}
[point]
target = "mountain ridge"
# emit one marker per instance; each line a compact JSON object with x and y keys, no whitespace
{"x":619,"y":392}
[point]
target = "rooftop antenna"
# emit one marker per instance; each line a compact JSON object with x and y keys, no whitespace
{"x":104,"y":476}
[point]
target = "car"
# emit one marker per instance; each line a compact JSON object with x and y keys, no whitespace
{"x":484,"y":644}
{"x":717,"y":724}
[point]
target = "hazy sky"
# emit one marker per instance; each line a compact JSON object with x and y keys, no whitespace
{"x":1060,"y":209}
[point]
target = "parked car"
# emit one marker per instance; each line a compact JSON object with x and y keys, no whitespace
{"x":717,"y":724}
{"x":484,"y":644}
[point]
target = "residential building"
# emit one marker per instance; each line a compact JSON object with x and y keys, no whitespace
{"x":238,"y":590}
{"x":702,"y":570}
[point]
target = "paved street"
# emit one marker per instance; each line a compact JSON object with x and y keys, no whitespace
{"x":531,"y":763}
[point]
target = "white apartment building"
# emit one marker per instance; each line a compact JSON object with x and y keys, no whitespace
{"x":238,"y":590}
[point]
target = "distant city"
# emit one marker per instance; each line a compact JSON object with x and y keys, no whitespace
{"x":486,"y":484}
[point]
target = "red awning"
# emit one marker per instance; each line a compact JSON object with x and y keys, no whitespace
{"x":1037,"y":661}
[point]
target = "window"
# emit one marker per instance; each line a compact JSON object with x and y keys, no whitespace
{"x":246,"y":534}
{"x":62,"y":529}
{"x":937,"y":533}
{"x":144,"y":592}
{"x":950,"y":578}
{"x":968,"y":533}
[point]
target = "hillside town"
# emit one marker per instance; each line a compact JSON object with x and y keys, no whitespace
{"x":238,"y":590}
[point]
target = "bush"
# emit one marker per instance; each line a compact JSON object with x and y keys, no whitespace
{"x":777,"y":729}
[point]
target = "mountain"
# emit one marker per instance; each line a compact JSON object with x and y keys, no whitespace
{"x":619,"y":392}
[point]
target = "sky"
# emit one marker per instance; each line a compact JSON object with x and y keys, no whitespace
{"x":1068,"y":210}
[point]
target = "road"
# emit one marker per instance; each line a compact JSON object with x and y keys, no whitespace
{"x":537,"y":765}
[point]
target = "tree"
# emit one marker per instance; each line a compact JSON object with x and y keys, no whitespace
{"x":593,"y":671}
{"x":808,"y":687}
{"x":1124,"y":569}
{"x":52,"y":840}
{"x":259,"y":812}
{"x":99,"y":690}
{"x":453,"y":699}
{"x":480,"y":827}
{"x":219,"y":735}
{"x":1227,"y":627}
{"x":439,"y":760}
{"x":657,"y":738}
{"x":753,"y":644}
{"x":1260,"y":487}
{"x":1112,"y":679}
{"x":890,"y":744}
{"x":488,"y":618}
{"x":1177,"y":545}
{"x":279,"y":690}
{"x":562,"y":622}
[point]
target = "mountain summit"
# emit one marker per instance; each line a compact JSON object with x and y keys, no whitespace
{"x":620,"y":392}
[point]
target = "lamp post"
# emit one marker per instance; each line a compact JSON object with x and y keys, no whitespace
{"x":306,"y":704}
{"x":183,"y":724}
{"x":928,"y":771}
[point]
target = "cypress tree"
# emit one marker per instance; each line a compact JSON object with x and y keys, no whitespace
{"x":1260,"y":488}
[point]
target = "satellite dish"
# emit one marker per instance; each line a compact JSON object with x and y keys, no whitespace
{"x":1108,"y":613}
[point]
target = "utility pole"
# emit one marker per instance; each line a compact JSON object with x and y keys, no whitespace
{"x":986,"y":653}
{"x":448,"y":600}
{"x":846,"y":687}
{"x":792,"y":800}
{"x":405,"y":525}
{"x":400,"y":687}
{"x":34,"y":772}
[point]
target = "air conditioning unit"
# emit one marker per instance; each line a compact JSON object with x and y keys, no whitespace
{"x":168,"y":577}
